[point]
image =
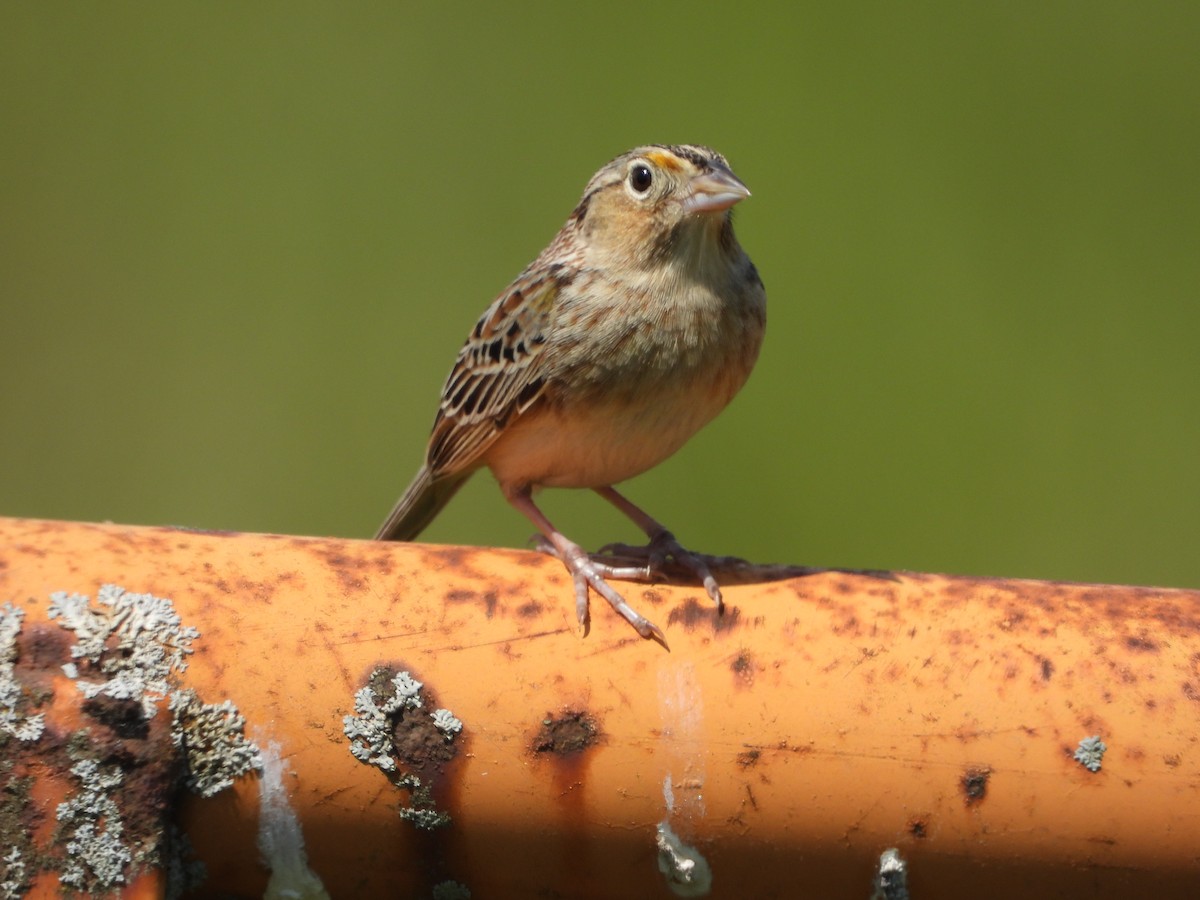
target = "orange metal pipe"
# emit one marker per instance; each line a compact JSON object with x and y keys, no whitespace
{"x":820,"y":721}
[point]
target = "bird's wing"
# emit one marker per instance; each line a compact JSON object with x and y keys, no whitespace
{"x":499,"y":373}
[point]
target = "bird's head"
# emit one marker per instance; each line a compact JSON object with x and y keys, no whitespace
{"x":661,"y":199}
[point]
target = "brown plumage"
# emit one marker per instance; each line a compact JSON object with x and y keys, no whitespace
{"x":632,"y":329}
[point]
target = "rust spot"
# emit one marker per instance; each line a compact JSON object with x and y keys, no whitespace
{"x":750,"y":797}
{"x":425,"y":763}
{"x":729,"y":618}
{"x":566,"y":734}
{"x":974,"y":784}
{"x":1013,"y":618}
{"x":1047,"y":668}
{"x":533,"y":560}
{"x":847,"y":625}
{"x":417,"y":741}
{"x":345,"y":566}
{"x":529,"y":610}
{"x":124,"y":717}
{"x":748,"y":758}
{"x":1174,"y":760}
{"x":384,"y":564}
{"x":42,"y":647}
{"x":743,"y":668}
{"x":1191,"y":692}
{"x":692,"y":612}
{"x":1141,"y":644}
{"x":461,"y":595}
{"x":652,"y":596}
{"x":918,"y":826}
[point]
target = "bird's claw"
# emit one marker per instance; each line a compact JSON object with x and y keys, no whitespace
{"x":586,"y":572}
{"x":662,"y":549}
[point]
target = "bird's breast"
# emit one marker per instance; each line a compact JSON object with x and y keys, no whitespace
{"x":629,"y":390}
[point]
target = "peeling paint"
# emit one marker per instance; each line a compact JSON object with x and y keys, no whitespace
{"x":687,"y":872}
{"x":681,"y":708}
{"x":891,"y":877}
{"x":279,"y":836}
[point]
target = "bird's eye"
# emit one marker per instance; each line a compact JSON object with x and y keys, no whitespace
{"x":640,"y":178}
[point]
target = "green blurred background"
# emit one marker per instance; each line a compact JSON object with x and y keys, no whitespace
{"x":240,"y":245}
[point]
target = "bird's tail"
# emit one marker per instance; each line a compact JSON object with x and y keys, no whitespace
{"x":419,"y":505}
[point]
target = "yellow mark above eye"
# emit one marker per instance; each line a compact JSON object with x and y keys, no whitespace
{"x":664,"y":160}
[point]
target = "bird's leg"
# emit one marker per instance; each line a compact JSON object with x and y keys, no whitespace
{"x":584,"y":572}
{"x":662,"y":546}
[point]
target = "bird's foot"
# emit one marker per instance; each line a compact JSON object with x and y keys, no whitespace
{"x":652,"y":562}
{"x":587,"y":572}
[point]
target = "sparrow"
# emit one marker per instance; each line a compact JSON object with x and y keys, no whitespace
{"x":629,"y":332}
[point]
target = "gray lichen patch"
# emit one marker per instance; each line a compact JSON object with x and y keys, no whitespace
{"x":424,"y":819}
{"x":391,"y":731}
{"x":15,"y":720}
{"x":92,"y":830}
{"x":124,"y":767}
{"x":18,"y":820}
{"x":376,"y":709}
{"x":1090,"y":752}
{"x":141,"y":644}
{"x":447,"y":723}
{"x":137,"y":640}
{"x":213,"y":741}
{"x":14,"y":874}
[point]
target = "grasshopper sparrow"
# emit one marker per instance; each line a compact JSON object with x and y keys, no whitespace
{"x":628,"y":333}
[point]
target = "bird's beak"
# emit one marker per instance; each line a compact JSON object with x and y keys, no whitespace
{"x":714,"y":191}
